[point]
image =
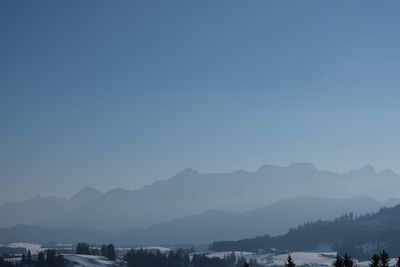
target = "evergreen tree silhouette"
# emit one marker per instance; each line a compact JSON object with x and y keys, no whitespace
{"x":289,"y":262}
{"x":339,"y":261}
{"x":110,"y":252}
{"x":231,"y":258}
{"x":348,"y":261}
{"x":29,"y":260}
{"x":103,"y":250}
{"x":51,"y":259}
{"x":83,"y":248}
{"x":41,"y":259}
{"x":186,"y":260}
{"x":375,"y":260}
{"x":241,"y":261}
{"x":171,"y":258}
{"x":384,"y":258}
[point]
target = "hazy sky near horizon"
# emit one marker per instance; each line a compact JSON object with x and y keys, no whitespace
{"x":121,"y":93}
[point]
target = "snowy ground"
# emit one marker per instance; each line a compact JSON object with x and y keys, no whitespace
{"x":274,"y":259}
{"x":89,"y":261}
{"x":300,"y":258}
{"x":315,"y":258}
{"x":367,"y":263}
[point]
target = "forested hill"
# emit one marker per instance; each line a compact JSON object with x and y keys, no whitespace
{"x":359,"y":235}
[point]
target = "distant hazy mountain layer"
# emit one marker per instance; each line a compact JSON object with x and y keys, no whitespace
{"x":360,"y":236}
{"x":238,"y":200}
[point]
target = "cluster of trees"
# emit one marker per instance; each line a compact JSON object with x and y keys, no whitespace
{"x":204,"y":261}
{"x":107,"y":251}
{"x":234,"y":261}
{"x":180,"y":258}
{"x":343,"y":261}
{"x":231,"y":258}
{"x":380,"y":259}
{"x":49,"y":258}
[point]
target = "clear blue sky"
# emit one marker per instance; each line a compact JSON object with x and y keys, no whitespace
{"x":120,"y":93}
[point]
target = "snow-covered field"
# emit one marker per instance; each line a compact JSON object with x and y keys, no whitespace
{"x":89,"y":261}
{"x":275,"y":259}
{"x":300,"y":258}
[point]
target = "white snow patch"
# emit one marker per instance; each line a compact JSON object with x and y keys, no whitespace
{"x":274,"y":259}
{"x":89,"y":261}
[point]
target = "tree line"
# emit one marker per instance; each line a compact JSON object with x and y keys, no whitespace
{"x":180,"y":258}
{"x":49,"y":258}
{"x":107,"y":251}
{"x":380,"y":259}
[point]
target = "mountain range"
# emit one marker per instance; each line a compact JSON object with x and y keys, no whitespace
{"x":274,"y":219}
{"x":204,"y":228}
{"x":213,"y":206}
{"x":190,"y":193}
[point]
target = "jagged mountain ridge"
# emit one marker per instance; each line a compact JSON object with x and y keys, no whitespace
{"x":189,"y":193}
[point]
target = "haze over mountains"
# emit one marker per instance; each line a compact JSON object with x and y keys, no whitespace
{"x":33,"y":210}
{"x":274,"y":219}
{"x":213,"y":206}
{"x":361,"y":236}
{"x":190,"y":193}
{"x":206,"y":227}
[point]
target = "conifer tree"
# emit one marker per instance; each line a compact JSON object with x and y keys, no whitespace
{"x":103,"y":250}
{"x":231,"y":259}
{"x":186,"y":260}
{"x":41,"y":259}
{"x":348,"y":261}
{"x":110,"y":252}
{"x":83,"y":248}
{"x":289,"y":262}
{"x":384,"y":258}
{"x":171,"y":258}
{"x":338,"y":261}
{"x":51,"y":258}
{"x":29,"y":257}
{"x":241,"y":261}
{"x":375,"y":259}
